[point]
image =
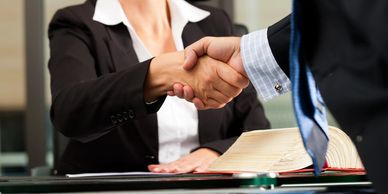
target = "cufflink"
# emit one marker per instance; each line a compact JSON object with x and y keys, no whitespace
{"x":278,"y":87}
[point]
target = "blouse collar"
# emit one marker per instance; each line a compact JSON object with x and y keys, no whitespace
{"x":110,"y":12}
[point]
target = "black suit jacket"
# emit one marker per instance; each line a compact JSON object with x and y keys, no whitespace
{"x":97,"y":95}
{"x":345,"y":43}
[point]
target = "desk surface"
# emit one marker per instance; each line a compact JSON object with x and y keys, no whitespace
{"x":187,"y":183}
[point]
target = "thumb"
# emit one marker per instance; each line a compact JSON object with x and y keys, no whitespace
{"x":194,"y":51}
{"x":190,"y":59}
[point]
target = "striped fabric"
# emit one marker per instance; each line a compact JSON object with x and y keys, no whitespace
{"x":265,"y":74}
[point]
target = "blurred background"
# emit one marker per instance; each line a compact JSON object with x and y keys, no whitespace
{"x":26,"y":134}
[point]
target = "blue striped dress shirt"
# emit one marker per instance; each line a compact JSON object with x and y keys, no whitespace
{"x":263,"y":71}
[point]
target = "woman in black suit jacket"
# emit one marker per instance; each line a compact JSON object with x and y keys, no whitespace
{"x":99,"y":93}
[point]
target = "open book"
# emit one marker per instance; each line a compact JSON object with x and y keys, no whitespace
{"x":282,"y":150}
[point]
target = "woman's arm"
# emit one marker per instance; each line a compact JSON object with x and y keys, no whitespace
{"x":87,"y":104}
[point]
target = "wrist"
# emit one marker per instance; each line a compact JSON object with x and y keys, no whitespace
{"x":162,"y":74}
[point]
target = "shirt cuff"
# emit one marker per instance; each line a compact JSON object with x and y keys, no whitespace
{"x":263,"y":71}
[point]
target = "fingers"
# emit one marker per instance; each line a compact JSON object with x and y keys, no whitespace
{"x":204,"y":166}
{"x":178,"y":90}
{"x":182,"y":91}
{"x":168,"y":168}
{"x":174,"y":167}
{"x":225,"y":49}
{"x":196,"y":161}
{"x":210,"y":104}
{"x":210,"y":84}
{"x":188,"y":93}
{"x":232,"y":77}
{"x":170,"y":93}
{"x":199,"y":104}
{"x":227,"y":90}
{"x":190,"y":59}
{"x":218,"y":81}
{"x":154,"y":167}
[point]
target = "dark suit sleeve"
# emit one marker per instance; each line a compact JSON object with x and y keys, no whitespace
{"x":247,"y":114}
{"x":279,"y":39}
{"x":345,"y":44}
{"x":86,"y":104}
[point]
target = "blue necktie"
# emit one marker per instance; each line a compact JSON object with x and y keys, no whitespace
{"x":308,"y":104}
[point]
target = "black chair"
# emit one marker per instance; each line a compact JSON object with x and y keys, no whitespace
{"x":240,"y":29}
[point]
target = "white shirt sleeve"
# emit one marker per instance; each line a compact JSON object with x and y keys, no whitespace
{"x":263,"y":71}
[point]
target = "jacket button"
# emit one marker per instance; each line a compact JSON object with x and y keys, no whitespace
{"x":113,"y":119}
{"x":131,"y":114}
{"x":125,"y":116}
{"x":119,"y":118}
{"x":359,"y":139}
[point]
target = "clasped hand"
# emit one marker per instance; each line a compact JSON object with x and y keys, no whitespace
{"x":210,"y":76}
{"x":223,"y":55}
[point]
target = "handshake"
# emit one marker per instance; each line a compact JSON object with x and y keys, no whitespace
{"x":212,"y":73}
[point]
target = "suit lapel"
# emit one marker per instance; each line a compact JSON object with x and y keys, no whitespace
{"x":120,"y":47}
{"x":123,"y":55}
{"x":191,"y":33}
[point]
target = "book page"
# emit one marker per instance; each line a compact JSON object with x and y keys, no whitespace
{"x":282,"y":150}
{"x":274,"y":150}
{"x":341,"y":152}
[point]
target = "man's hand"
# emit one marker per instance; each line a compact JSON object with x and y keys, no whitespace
{"x":197,"y":161}
{"x":214,"y":83}
{"x":225,"y":49}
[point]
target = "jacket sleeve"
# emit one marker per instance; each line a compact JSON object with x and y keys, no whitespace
{"x":247,"y":114}
{"x":279,"y":40}
{"x":85,"y":103}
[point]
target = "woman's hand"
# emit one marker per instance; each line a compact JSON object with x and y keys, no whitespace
{"x":197,"y":161}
